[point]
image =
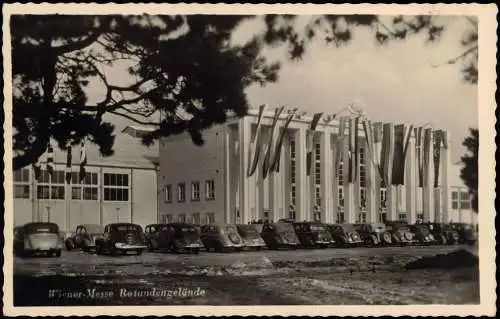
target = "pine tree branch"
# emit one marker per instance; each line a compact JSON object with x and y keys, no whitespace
{"x":134,"y":119}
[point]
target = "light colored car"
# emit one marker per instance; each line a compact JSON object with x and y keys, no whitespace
{"x":84,"y":237}
{"x":40,"y":238}
{"x":251,"y":236}
{"x":221,"y":237}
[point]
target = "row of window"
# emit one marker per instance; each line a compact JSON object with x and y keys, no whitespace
{"x":115,"y":186}
{"x":195,"y":218}
{"x":195,"y":191}
{"x":462,"y":202}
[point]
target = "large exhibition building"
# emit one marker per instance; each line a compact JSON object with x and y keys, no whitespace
{"x":274,"y":164}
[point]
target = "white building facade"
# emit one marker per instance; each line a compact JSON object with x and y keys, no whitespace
{"x":211,"y":183}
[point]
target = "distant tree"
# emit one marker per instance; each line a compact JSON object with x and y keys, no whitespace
{"x":469,"y":173}
{"x":183,"y":67}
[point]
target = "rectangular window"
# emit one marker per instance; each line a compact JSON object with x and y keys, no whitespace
{"x":210,"y":218}
{"x":292,"y":149}
{"x":465,"y":205}
{"x":195,"y":191}
{"x":340,"y":191}
{"x":181,"y":192}
{"x":361,"y":156}
{"x":317,"y":152}
{"x":22,"y":175}
{"x":196,"y":218}
{"x":340,"y":217}
{"x":402,"y":217}
{"x":210,"y":189}
{"x":168,"y":193}
{"x":464,"y":196}
{"x":317,"y":194}
{"x":51,"y":187}
{"x":341,"y":173}
{"x":362,"y":176}
{"x":116,"y":187}
{"x":294,"y":194}
{"x":89,"y":193}
{"x":454,"y":200}
{"x":169,"y":218}
{"x":182,"y":218}
{"x":21,"y":191}
{"x":362,"y":198}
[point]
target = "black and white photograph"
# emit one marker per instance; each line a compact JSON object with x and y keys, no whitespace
{"x":293,"y":156}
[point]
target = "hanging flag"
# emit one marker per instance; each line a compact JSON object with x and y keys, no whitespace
{"x":353,"y":150}
{"x":310,"y":145}
{"x":377,"y":146}
{"x":255,"y":147}
{"x":272,"y":142}
{"x":444,"y":137}
{"x":339,"y":143}
{"x":397,"y":177}
{"x":419,"y":133}
{"x":387,"y":152}
{"x":50,"y":161}
{"x":407,"y":137}
{"x":426,"y":155}
{"x":68,"y":164}
{"x":37,"y":170}
{"x":275,"y":166}
{"x":83,"y":161}
{"x":437,"y":156}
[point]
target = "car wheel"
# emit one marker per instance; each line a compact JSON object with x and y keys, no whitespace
{"x":443,"y":240}
{"x":139,"y":252}
{"x":57,"y":253}
{"x":69,"y":245}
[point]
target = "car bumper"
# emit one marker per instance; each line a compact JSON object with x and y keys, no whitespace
{"x":42,"y":250}
{"x":129,"y":247}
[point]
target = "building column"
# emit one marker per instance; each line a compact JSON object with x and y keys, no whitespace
{"x":244,"y":142}
{"x":372,"y":186}
{"x":445,"y":166}
{"x":326,"y":177}
{"x":228,"y":151}
{"x":411,"y":177}
{"x":428,"y":189}
{"x":336,"y":147}
{"x":392,"y":208}
{"x":301,"y":175}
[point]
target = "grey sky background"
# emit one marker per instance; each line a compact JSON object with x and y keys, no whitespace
{"x":394,"y":83}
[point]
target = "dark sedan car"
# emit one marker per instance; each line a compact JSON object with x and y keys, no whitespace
{"x":313,"y":235}
{"x":466,"y":232}
{"x":251,"y":236}
{"x":444,"y":233}
{"x":280,"y":235}
{"x":374,"y":234}
{"x":121,"y":238}
{"x":401,"y":233}
{"x":84,"y":237}
{"x":345,"y":235}
{"x":180,"y":237}
{"x":422,"y":234}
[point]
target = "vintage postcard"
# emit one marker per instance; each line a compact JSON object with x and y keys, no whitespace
{"x":249,"y":159}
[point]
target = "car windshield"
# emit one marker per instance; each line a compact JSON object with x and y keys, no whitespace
{"x":400,"y":227}
{"x":41,"y":228}
{"x":317,"y":228}
{"x":347,"y":227}
{"x":284,"y":227}
{"x":229,"y":229}
{"x":247,"y":230}
{"x":94,"y":229}
{"x":127,"y":228}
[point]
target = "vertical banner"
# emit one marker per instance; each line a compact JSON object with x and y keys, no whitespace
{"x":377,"y":147}
{"x":310,"y":142}
{"x":353,"y":150}
{"x":68,"y":164}
{"x":50,"y":161}
{"x":37,"y":171}
{"x":339,"y":144}
{"x":271,"y":144}
{"x":426,"y":155}
{"x":437,"y":156}
{"x":83,"y":161}
{"x":386,"y":153}
{"x":255,"y":146}
{"x":275,"y":165}
{"x":397,"y":158}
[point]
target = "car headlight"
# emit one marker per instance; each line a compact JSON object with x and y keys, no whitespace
{"x":431,"y":237}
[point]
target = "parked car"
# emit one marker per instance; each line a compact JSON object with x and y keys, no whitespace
{"x":84,"y":237}
{"x":345,"y":235}
{"x":181,"y":237}
{"x":39,"y":238}
{"x":422,"y":234}
{"x":152,"y":236}
{"x":444,"y":233}
{"x":221,"y":237}
{"x":400,"y":233}
{"x":280,"y":235}
{"x":251,"y":236}
{"x":121,"y":238}
{"x":313,"y":234}
{"x":374,"y":234}
{"x":467,"y":233}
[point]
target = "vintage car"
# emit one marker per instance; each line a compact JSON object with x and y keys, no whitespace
{"x":221,"y":237}
{"x":374,"y":234}
{"x":467,"y":233}
{"x":152,"y":234}
{"x":251,"y":236}
{"x":180,"y":237}
{"x":422,"y":234}
{"x":121,"y":238}
{"x":444,"y":233}
{"x":39,"y":238}
{"x":280,"y":235}
{"x":400,"y":233}
{"x":313,"y":234}
{"x":287,"y":220}
{"x":345,"y":235}
{"x":84,"y":237}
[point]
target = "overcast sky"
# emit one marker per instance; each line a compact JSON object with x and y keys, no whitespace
{"x":391,"y":83}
